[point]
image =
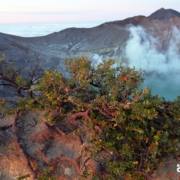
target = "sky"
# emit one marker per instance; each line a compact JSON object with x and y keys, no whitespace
{"x":77,"y":11}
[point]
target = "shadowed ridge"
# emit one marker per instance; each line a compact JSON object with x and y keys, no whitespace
{"x":163,"y":14}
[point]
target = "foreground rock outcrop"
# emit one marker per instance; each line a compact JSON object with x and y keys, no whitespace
{"x":30,"y":147}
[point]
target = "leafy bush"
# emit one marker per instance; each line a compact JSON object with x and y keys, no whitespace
{"x":134,"y":128}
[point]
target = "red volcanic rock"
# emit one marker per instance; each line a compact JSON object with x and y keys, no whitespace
{"x":167,"y":170}
{"x":13,"y":162}
{"x":31,"y":146}
{"x":47,"y":147}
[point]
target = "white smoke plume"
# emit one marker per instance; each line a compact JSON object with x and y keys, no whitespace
{"x":162,"y":69}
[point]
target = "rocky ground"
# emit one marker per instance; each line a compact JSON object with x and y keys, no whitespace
{"x":28,"y":146}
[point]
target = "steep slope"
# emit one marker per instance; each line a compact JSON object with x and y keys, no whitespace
{"x":106,"y":40}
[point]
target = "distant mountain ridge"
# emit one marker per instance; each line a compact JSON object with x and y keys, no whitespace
{"x":105,"y":41}
{"x":164,"y":14}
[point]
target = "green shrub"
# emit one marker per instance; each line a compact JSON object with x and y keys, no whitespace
{"x":135,"y":128}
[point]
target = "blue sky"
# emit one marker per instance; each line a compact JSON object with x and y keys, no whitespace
{"x":77,"y":11}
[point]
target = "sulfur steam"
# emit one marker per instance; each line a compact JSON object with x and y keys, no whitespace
{"x":161,"y":67}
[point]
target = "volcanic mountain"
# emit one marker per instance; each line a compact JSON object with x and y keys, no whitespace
{"x":104,"y":41}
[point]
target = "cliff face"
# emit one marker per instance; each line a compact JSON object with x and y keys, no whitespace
{"x":29,"y":145}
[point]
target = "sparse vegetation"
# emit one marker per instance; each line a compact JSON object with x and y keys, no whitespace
{"x":135,"y":129}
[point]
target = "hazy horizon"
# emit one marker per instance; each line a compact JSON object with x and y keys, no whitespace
{"x":33,"y":29}
{"x":34,"y":18}
{"x":40,"y":29}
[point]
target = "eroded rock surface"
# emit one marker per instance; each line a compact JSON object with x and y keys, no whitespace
{"x":13,"y":161}
{"x":30,"y":146}
{"x":167,"y":170}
